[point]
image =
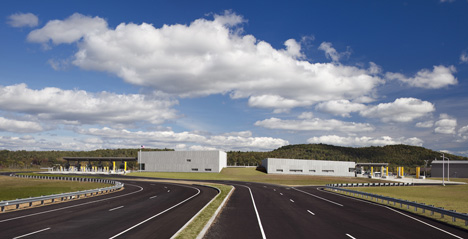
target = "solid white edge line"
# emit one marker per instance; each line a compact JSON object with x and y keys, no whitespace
{"x":25,"y":235}
{"x":350,"y":236}
{"x":318,"y":197}
{"x":256,"y":212}
{"x":392,"y":209}
{"x":115,"y":208}
{"x":148,"y":219}
{"x":77,"y":205}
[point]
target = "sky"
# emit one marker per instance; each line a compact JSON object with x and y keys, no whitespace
{"x":233,"y":75}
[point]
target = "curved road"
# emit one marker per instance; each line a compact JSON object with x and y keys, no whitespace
{"x":141,"y":210}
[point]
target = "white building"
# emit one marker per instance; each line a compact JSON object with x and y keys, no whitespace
{"x":183,"y":161}
{"x":309,"y":167}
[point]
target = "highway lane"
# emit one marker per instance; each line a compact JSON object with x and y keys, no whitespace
{"x":145,"y":209}
{"x":288,"y":213}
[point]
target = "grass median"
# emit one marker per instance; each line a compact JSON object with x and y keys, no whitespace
{"x":12,"y":188}
{"x":195,"y":227}
{"x":253,"y":175}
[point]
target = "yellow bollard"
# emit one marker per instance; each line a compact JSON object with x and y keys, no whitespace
{"x":418,"y":171}
{"x":125,"y":167}
{"x":386,"y":172}
{"x":372,"y":171}
{"x":114,"y":166}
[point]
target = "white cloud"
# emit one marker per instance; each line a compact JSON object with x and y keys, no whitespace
{"x":445,"y":125}
{"x":23,"y":20}
{"x":439,"y":77}
{"x":463,"y":133}
{"x":331,"y":52}
{"x":81,"y":107}
{"x":19,"y":126}
{"x":314,"y":124}
{"x":69,"y":30}
{"x":340,"y":107}
{"x":208,"y":57}
{"x":185,"y":140}
{"x":425,"y":124}
{"x":364,"y":141}
{"x":306,"y":115}
{"x":464,"y":57}
{"x":401,"y":110}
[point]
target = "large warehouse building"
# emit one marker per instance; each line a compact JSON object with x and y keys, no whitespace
{"x":183,"y":161}
{"x":456,"y":169}
{"x":309,"y":167}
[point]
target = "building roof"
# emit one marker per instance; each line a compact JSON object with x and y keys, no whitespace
{"x":450,"y":161}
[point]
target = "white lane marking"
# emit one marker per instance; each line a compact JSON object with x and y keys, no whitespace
{"x":256,"y":212}
{"x":153,"y":197}
{"x":274,"y":190}
{"x":311,"y":212}
{"x":318,"y":197}
{"x":77,"y":205}
{"x":148,"y":219}
{"x":291,"y":200}
{"x":25,"y":235}
{"x":168,"y":191}
{"x":350,"y":236}
{"x":153,"y":184}
{"x":165,"y":187}
{"x":281,"y":194}
{"x":110,"y":210}
{"x":423,"y":222}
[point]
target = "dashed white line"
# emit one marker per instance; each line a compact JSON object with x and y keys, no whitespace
{"x":324,"y":199}
{"x":25,"y":235}
{"x":274,"y":190}
{"x":152,"y":197}
{"x":110,"y":210}
{"x":281,"y":194}
{"x":350,"y":236}
{"x":168,"y":191}
{"x":291,"y":200}
{"x":311,"y":212}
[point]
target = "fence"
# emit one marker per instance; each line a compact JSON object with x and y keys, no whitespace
{"x":368,"y":184}
{"x":62,"y":196}
{"x":451,"y":213}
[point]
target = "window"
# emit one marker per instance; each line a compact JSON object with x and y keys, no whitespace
{"x":207,"y":169}
{"x":279,"y":170}
{"x":328,"y":171}
{"x":312,"y":170}
{"x":194,"y":169}
{"x":295,"y":170}
{"x":142,"y":166}
{"x":189,"y":160}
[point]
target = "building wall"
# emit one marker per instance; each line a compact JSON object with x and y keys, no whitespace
{"x":184,"y":161}
{"x":309,"y":167}
{"x":457,"y":169}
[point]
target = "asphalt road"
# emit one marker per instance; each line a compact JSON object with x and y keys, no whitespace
{"x":141,"y":210}
{"x":307,"y":212}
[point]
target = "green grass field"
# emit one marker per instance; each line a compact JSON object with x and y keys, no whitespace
{"x":253,"y":175}
{"x":13,"y":188}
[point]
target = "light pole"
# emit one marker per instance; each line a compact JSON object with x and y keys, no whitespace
{"x":425,"y":167}
{"x":443,"y":168}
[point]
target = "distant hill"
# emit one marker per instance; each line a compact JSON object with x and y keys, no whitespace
{"x":395,"y":155}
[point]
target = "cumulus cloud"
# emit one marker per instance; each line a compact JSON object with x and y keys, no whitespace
{"x":229,"y":141}
{"x":463,"y":133}
{"x":340,"y":107}
{"x":331,"y":52}
{"x":23,"y":20}
{"x":425,"y":124}
{"x":314,"y":124}
{"x":81,"y":107}
{"x":445,"y":125}
{"x":207,"y":57}
{"x":401,"y":110}
{"x":439,"y":77}
{"x":464,"y":57}
{"x":364,"y":141}
{"x":19,"y":126}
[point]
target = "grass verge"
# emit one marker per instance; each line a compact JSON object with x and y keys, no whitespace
{"x":195,"y":227}
{"x":253,"y":175}
{"x":454,"y":197}
{"x":13,"y":188}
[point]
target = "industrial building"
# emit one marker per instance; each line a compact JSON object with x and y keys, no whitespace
{"x":452,"y":169}
{"x":183,"y":161}
{"x":309,"y":167}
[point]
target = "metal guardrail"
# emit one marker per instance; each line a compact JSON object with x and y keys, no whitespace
{"x":451,"y":213}
{"x":368,"y":184}
{"x":61,"y":196}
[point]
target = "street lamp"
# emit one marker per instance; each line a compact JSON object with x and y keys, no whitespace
{"x":443,"y":168}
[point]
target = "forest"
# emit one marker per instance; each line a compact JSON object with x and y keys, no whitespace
{"x":395,"y":155}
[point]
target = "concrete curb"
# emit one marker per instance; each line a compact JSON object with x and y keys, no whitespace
{"x":210,"y":222}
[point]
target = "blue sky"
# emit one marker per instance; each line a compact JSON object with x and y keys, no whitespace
{"x":233,"y":75}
